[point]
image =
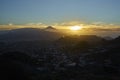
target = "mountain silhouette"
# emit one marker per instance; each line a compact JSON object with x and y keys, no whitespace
{"x":118,"y":39}
{"x":91,"y":39}
{"x":50,"y":28}
{"x":29,"y":34}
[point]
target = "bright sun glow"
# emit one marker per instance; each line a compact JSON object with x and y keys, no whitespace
{"x":75,"y":28}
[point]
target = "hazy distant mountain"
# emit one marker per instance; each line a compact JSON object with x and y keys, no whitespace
{"x":92,"y":39}
{"x":29,"y":34}
{"x":117,"y":39}
{"x":50,"y":28}
{"x":108,"y":38}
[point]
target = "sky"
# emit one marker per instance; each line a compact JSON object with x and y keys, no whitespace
{"x":58,"y":11}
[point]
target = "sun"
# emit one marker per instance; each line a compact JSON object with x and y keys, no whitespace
{"x":75,"y":28}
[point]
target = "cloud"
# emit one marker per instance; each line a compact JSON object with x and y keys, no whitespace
{"x":72,"y":23}
{"x":66,"y":25}
{"x":10,"y":24}
{"x":29,"y":25}
{"x":96,"y":26}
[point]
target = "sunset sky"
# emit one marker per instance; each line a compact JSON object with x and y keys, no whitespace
{"x":59,"y":11}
